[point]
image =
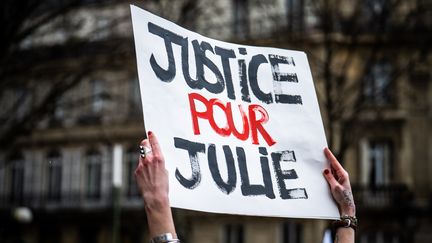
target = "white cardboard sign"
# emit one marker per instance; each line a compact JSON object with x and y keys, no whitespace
{"x":239,"y":126}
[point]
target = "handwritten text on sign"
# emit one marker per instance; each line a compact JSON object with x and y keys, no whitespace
{"x":229,"y":115}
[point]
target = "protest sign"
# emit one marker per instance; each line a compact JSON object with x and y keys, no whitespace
{"x":239,"y":126}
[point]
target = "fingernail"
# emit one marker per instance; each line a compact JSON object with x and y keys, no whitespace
{"x":326,"y":171}
{"x":150,"y":133}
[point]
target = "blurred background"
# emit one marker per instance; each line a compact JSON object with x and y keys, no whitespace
{"x":71,"y":118}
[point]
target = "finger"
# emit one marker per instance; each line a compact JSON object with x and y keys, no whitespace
{"x":331,"y":180}
{"x":138,"y":169}
{"x":155,"y":145}
{"x":149,"y":156}
{"x":333,"y":161}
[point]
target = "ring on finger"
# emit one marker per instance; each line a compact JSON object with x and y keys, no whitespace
{"x":144,"y":150}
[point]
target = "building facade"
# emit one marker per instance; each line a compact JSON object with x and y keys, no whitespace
{"x":373,"y":84}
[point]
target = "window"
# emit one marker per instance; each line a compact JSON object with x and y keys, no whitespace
{"x":291,"y":232}
{"x":241,"y":18}
{"x":379,"y":167}
{"x":380,"y":237}
{"x":17,"y":179}
{"x":97,"y":98}
{"x":97,"y":102}
{"x":377,"y":88}
{"x":23,"y":102}
{"x":49,"y":234}
{"x":54,"y":175}
{"x":131,"y":163}
{"x":102,"y":28}
{"x":59,"y":111}
{"x":372,"y":11}
{"x":88,"y":234}
{"x":295,"y":15}
{"x":93,"y":174}
{"x":327,"y":238}
{"x":234,"y":233}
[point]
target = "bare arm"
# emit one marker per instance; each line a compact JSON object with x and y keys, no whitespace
{"x":340,"y":186}
{"x":152,"y":180}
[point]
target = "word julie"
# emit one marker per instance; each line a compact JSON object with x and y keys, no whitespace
{"x":228,"y":186}
{"x":248,"y":73}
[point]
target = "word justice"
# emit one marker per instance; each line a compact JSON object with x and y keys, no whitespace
{"x":283,"y":176}
{"x":248,"y":73}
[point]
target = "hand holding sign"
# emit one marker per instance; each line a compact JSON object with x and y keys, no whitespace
{"x":152,"y":181}
{"x":340,"y":185}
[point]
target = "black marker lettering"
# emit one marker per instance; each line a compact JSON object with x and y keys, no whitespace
{"x":169,"y":38}
{"x":202,"y":60}
{"x":193,"y":150}
{"x":282,"y":175}
{"x":280,"y":94}
{"x":254,"y":190}
{"x":244,"y":88}
{"x":254,"y":64}
{"x":225,"y":55}
{"x":229,"y":186}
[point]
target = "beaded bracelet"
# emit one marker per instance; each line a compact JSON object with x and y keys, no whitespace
{"x":164,"y":238}
{"x":346,"y":222}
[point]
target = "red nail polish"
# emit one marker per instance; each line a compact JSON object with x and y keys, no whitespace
{"x":326,"y":171}
{"x":149,"y":133}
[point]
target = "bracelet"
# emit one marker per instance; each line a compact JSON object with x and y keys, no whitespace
{"x":346,"y":222}
{"x":164,"y":238}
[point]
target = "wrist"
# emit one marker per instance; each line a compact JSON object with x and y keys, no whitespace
{"x":346,"y":222}
{"x":156,"y":203}
{"x":348,"y":211}
{"x":159,"y":218}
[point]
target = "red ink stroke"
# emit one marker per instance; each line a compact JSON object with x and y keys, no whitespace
{"x":252,"y":125}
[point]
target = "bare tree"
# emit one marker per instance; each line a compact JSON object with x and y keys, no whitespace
{"x":63,"y":60}
{"x":356,"y":35}
{"x":349,"y":29}
{"x":351,"y":44}
{"x":20,"y":20}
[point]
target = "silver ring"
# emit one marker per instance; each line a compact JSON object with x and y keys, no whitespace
{"x":144,"y":150}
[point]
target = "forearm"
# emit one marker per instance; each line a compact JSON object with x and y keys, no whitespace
{"x":344,"y":235}
{"x":160,"y":222}
{"x":159,"y":218}
{"x":152,"y":180}
{"x":338,"y":179}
